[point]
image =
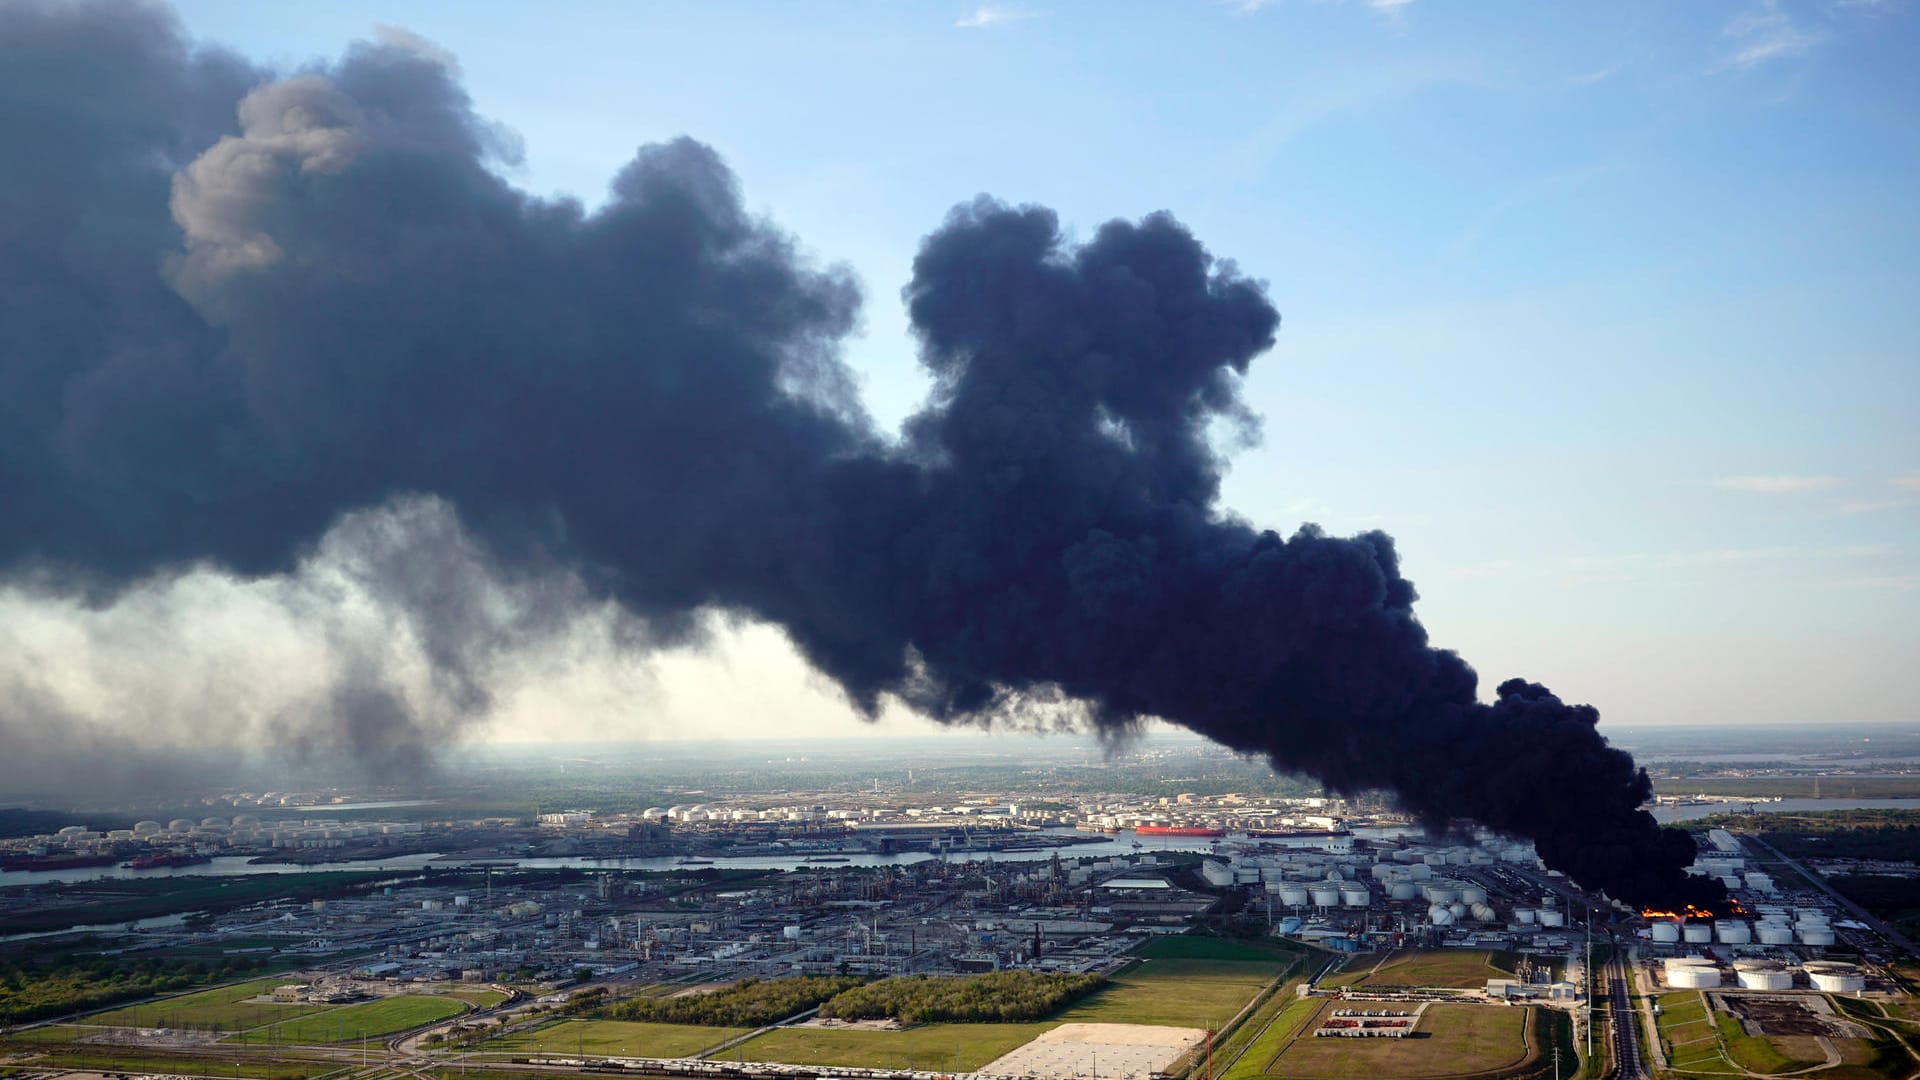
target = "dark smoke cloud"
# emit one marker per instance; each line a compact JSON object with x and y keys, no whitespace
{"x":235,"y":307}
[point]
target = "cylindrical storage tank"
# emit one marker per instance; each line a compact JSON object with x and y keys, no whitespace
{"x":1837,"y":982}
{"x":1441,"y":894}
{"x":1765,"y":979}
{"x":1731,"y":932}
{"x":1420,"y":872}
{"x":1473,"y":894}
{"x":1550,"y":900}
{"x":1813,"y":936}
{"x":1775,"y":935}
{"x":1354,"y":897}
{"x":1693,"y":978}
{"x":1440,"y":916}
{"x":1551,"y":917}
{"x":1525,"y":916}
{"x":791,"y":933}
{"x":1324,"y":895}
{"x":1480,"y":858}
{"x":1666,"y":932}
{"x":1698,"y":933}
{"x":1295,"y":895}
{"x":1402,"y":890}
{"x":1482,"y":912}
{"x":1435,"y":860}
{"x":1382,"y":871}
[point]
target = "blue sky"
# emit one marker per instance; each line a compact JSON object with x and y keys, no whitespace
{"x":1607,"y":312}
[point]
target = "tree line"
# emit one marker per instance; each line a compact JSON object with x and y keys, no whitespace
{"x":991,"y":997}
{"x":747,"y":1003}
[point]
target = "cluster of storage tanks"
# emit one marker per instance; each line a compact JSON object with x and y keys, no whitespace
{"x":1699,"y":973}
{"x":1809,"y":927}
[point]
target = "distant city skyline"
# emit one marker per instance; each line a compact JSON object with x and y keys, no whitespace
{"x":1605,"y":314}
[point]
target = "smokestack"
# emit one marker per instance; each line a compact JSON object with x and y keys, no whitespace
{"x":238,"y":309}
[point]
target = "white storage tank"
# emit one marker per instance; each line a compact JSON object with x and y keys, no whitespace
{"x":1402,"y":890}
{"x":1439,"y":893}
{"x":1666,"y":932}
{"x":1765,"y":978}
{"x":1693,"y":977}
{"x":1295,"y":895}
{"x":1483,"y":912}
{"x":1354,"y":896}
{"x":1324,"y":895}
{"x":1698,"y":933}
{"x":1836,"y":979}
{"x":1473,"y":894}
{"x":1733,"y":932}
{"x":1552,"y":917}
{"x":1810,"y":935}
{"x":1525,"y":916}
{"x":1774,"y":934}
{"x":1420,"y":872}
{"x":791,"y":933}
{"x":1459,"y":909}
{"x":1440,"y":915}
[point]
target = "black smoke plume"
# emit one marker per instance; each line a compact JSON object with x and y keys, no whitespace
{"x":236,"y":306}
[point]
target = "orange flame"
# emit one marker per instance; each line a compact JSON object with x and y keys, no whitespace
{"x":1690,"y":913}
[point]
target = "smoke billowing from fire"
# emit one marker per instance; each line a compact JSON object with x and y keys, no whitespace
{"x":236,"y":306}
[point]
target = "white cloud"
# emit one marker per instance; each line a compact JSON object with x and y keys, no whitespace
{"x":1777,"y":485}
{"x":1765,"y":33}
{"x":1908,"y":481}
{"x":988,"y":16}
{"x":1596,"y":75}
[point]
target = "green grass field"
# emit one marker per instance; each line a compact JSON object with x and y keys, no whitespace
{"x":614,"y":1038}
{"x":225,"y":1008}
{"x":1462,"y":1040}
{"x":1461,"y":968}
{"x":963,"y":1047}
{"x":1259,"y":1058}
{"x":350,"y":1023}
{"x":1180,"y":993}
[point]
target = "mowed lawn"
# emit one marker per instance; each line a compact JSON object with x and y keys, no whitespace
{"x":1260,"y":1057}
{"x":960,"y":1047}
{"x":1460,"y":1040}
{"x":1461,"y":968}
{"x":224,"y":1008}
{"x":1177,"y":993}
{"x":615,"y":1038}
{"x":350,"y":1023}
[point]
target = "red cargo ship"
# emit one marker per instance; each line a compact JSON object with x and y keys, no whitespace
{"x":1178,"y":830}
